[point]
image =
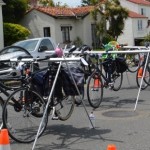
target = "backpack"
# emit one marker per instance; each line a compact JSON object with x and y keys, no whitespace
{"x":121,"y":65}
{"x":41,"y":82}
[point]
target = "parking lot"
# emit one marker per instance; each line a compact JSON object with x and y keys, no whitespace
{"x":116,"y":122}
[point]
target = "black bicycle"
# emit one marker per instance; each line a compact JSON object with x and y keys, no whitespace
{"x":109,"y":75}
{"x":24,"y":108}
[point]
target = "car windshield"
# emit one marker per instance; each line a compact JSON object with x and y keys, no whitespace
{"x":28,"y":45}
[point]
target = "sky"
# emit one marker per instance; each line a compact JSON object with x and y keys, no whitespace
{"x":71,"y":3}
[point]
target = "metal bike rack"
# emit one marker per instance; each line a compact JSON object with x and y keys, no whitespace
{"x":60,"y":60}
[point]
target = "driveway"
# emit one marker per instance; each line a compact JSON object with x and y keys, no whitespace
{"x":116,"y":123}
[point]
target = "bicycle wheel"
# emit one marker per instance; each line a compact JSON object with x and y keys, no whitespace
{"x":7,"y":70}
{"x":10,"y":83}
{"x":133,"y":62}
{"x":22,"y":115}
{"x":117,"y":79}
{"x":95,"y":90}
{"x":65,"y":107}
{"x":139,"y":75}
{"x":1,"y":110}
{"x":79,"y":98}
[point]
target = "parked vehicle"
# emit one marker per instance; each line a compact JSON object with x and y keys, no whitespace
{"x":36,"y":47}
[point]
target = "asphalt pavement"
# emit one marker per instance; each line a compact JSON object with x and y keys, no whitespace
{"x":116,"y":122}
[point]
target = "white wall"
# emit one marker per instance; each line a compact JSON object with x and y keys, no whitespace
{"x":35,"y":21}
{"x":128,"y":35}
{"x":1,"y":28}
{"x":129,"y":5}
{"x":140,"y":33}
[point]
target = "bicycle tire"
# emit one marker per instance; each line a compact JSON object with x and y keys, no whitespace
{"x":147,"y":75}
{"x":117,"y":79}
{"x":22,"y":113}
{"x":95,"y":90}
{"x":13,"y":46}
{"x":1,"y":110}
{"x":6,"y":78}
{"x":133,"y":61}
{"x":138,"y":79}
{"x":64,"y":109}
{"x":79,"y":98}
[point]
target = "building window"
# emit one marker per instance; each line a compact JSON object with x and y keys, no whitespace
{"x":148,"y":23}
{"x":66,"y":33}
{"x":143,"y":11}
{"x":47,"y":32}
{"x":140,"y":25}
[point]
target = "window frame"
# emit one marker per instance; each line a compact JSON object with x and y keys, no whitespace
{"x":47,"y":31}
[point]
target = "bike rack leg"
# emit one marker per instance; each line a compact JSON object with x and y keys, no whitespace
{"x":47,"y":105}
{"x":79,"y":94}
{"x":49,"y":98}
{"x":141,"y":81}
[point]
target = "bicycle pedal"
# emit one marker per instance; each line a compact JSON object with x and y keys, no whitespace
{"x":54,"y":118}
{"x":111,"y":85}
{"x":94,"y":89}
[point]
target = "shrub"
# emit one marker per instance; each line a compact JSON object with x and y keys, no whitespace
{"x":77,"y":42}
{"x":14,"y":33}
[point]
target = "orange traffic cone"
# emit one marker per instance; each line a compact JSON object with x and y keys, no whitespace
{"x":96,"y":83}
{"x":4,"y":140}
{"x":140,"y":72}
{"x":111,"y":147}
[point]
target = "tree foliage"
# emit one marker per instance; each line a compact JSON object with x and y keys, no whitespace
{"x":147,"y":38}
{"x":14,"y":10}
{"x":14,"y":33}
{"x":47,"y":3}
{"x":113,"y":14}
{"x":116,"y":15}
{"x":52,"y":4}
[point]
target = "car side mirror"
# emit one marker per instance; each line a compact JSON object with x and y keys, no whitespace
{"x":43,"y":48}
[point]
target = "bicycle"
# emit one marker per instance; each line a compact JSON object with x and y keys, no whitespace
{"x":133,"y":60}
{"x":112,"y":78}
{"x":28,"y":102}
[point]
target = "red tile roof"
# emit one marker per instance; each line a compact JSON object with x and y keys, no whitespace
{"x":135,"y":15}
{"x":74,"y":12}
{"x":142,"y":2}
{"x":65,"y":12}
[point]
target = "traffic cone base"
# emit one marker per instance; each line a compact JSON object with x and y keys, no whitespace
{"x":4,"y":140}
{"x":140,"y":72}
{"x":97,"y":83}
{"x":111,"y":147}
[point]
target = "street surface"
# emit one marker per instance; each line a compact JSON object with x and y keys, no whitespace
{"x":116,"y":123}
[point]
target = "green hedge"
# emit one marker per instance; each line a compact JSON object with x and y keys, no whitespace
{"x":14,"y":33}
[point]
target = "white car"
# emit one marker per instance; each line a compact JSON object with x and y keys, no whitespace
{"x":35,"y":47}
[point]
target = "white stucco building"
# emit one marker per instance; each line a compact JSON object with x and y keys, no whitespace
{"x":64,"y":25}
{"x":138,"y":24}
{"x":1,"y":26}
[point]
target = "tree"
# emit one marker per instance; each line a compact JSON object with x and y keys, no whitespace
{"x":86,"y":2}
{"x":14,"y":10}
{"x":113,"y":15}
{"x":47,"y":3}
